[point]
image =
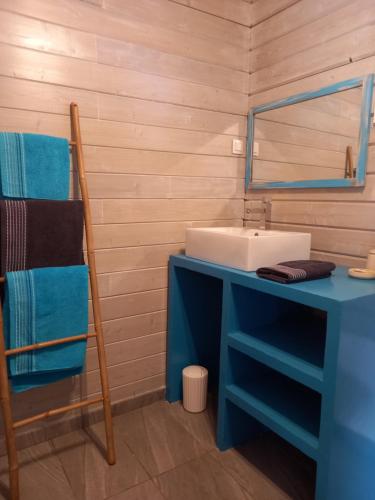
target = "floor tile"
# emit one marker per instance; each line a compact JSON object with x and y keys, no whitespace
{"x":90,"y":476}
{"x":41,"y":475}
{"x":270,"y":469}
{"x":200,"y":479}
{"x":249,"y":477}
{"x":176,"y":449}
{"x":202,"y":426}
{"x":159,"y":441}
{"x":144,"y":491}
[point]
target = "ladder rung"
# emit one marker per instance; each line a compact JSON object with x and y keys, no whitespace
{"x":48,"y":343}
{"x":57,"y":411}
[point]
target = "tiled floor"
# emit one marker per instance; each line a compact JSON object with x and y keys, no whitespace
{"x":163,"y":453}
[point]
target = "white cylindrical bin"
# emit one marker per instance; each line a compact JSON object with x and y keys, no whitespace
{"x":194,"y":382}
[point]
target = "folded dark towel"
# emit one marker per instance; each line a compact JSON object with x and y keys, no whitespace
{"x":40,"y":233}
{"x":297,"y":270}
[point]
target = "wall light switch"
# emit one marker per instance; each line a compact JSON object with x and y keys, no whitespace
{"x":237,"y":147}
{"x":256,"y":149}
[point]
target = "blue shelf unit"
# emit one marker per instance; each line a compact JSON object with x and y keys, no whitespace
{"x":295,"y":359}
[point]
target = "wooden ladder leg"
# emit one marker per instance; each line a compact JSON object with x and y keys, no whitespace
{"x":111,"y":454}
{"x":76,"y":132}
{"x":6,"y":407}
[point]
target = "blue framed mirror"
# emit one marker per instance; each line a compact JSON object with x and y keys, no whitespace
{"x":315,"y":139}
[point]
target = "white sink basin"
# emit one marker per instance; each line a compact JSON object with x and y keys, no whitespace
{"x":246,"y":249}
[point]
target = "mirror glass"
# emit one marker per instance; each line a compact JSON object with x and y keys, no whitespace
{"x":316,"y":139}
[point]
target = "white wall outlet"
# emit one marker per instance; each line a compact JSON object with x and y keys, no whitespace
{"x":255,"y":149}
{"x":237,"y":146}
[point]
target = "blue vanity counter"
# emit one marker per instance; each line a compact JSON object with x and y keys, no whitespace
{"x":298,"y":359}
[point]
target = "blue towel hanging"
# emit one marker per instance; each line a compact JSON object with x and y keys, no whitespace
{"x":40,"y":305}
{"x":34,"y":166}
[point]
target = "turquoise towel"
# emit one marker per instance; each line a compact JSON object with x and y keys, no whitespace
{"x":40,"y":305}
{"x":34,"y":166}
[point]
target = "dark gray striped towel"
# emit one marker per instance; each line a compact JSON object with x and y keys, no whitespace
{"x":40,"y":233}
{"x":297,"y":270}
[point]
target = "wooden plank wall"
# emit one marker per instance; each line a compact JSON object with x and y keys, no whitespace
{"x":309,"y":44}
{"x":162,"y":89}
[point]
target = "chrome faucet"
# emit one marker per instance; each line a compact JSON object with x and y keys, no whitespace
{"x":259,"y":211}
{"x":265,"y":212}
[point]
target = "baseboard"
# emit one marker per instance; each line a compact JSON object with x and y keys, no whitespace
{"x":72,"y":421}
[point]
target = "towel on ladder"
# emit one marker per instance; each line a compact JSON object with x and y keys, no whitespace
{"x":40,"y":233}
{"x":34,"y":166}
{"x":40,"y":305}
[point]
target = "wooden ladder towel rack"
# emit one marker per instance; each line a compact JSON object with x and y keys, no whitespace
{"x":10,"y":425}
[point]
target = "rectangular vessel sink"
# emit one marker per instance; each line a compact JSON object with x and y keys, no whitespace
{"x":246,"y":249}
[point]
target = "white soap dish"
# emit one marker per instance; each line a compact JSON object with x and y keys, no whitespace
{"x":362,"y":273}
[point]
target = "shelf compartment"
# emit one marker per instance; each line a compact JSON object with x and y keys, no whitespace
{"x":195,"y":304}
{"x":270,"y":346}
{"x":285,"y":406}
{"x":290,"y":332}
